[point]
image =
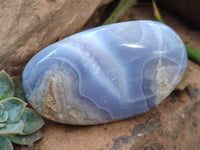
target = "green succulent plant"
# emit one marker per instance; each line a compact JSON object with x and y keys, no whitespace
{"x":18,"y":123}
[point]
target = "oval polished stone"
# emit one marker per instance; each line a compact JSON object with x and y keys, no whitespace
{"x":106,"y":73}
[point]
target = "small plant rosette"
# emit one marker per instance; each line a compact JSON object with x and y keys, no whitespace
{"x":18,"y":123}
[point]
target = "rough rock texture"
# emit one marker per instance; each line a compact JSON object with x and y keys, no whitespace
{"x":173,"y":125}
{"x":28,"y":26}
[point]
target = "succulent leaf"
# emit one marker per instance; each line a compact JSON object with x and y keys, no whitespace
{"x":26,"y":139}
{"x":6,"y":85}
{"x":19,"y":91}
{"x":14,"y":107}
{"x":5,"y":143}
{"x":18,"y":123}
{"x":3,"y":116}
{"x":12,"y":128}
{"x":2,"y":125}
{"x":1,"y":107}
{"x":32,"y":121}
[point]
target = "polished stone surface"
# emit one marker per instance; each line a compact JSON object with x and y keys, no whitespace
{"x":106,"y":73}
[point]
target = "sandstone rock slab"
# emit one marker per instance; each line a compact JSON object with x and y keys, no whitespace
{"x":28,"y":26}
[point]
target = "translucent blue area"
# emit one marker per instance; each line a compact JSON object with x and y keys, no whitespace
{"x":111,"y":64}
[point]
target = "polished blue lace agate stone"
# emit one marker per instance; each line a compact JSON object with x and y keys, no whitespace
{"x":105,"y":74}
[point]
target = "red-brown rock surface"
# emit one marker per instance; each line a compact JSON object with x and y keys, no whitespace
{"x":172,"y":125}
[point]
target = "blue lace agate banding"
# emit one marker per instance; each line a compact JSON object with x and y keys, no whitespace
{"x":106,"y":73}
